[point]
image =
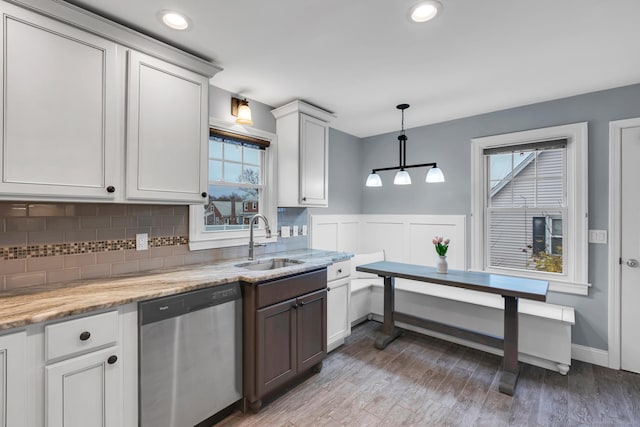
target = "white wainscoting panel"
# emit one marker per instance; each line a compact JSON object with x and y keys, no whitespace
{"x":404,"y":238}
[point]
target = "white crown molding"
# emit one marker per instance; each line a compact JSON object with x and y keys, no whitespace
{"x":302,"y":107}
{"x":103,"y":27}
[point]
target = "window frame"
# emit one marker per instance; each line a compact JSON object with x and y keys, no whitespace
{"x":574,"y":278}
{"x":199,"y":238}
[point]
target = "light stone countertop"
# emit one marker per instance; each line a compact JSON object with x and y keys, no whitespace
{"x":30,"y":305}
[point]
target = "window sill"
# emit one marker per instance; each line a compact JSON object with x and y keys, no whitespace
{"x":558,"y":286}
{"x":225,"y":243}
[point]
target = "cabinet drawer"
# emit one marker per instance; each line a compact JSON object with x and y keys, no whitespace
{"x":290,"y":287}
{"x":338,"y":270}
{"x":79,"y":335}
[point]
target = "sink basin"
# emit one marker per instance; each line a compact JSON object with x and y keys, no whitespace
{"x":269,"y":264}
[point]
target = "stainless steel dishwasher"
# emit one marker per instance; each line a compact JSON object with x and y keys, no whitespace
{"x":190,"y":356}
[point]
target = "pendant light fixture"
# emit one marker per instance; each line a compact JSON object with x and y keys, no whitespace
{"x":402,"y":176}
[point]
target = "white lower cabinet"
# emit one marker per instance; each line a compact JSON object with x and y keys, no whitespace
{"x":13,"y":380}
{"x":338,"y":304}
{"x":80,"y":371}
{"x":85,"y":391}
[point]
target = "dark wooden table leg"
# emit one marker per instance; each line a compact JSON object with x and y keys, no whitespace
{"x":510,"y":369}
{"x":389,"y":331}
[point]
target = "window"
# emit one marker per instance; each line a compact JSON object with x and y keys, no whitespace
{"x":235,"y":182}
{"x":241,"y":184}
{"x":530,"y":204}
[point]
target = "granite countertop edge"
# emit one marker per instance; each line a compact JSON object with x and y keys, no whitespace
{"x":32,"y":305}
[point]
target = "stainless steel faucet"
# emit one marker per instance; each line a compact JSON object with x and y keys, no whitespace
{"x":254,"y":220}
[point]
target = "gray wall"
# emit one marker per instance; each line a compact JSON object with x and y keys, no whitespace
{"x":448,"y":143}
{"x":345,"y":161}
{"x":220,"y":108}
{"x":345,"y":180}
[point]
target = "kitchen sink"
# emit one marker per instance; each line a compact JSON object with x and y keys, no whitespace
{"x":269,"y":264}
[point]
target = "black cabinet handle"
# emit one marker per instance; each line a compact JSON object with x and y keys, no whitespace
{"x":85,"y":336}
{"x":111,"y":189}
{"x":339,"y":271}
{"x":112,"y":359}
{"x":204,"y":194}
{"x":328,"y":289}
{"x":294,"y":306}
{"x":302,"y":303}
{"x":304,"y":199}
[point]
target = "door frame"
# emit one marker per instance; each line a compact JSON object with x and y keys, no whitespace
{"x":615,"y":236}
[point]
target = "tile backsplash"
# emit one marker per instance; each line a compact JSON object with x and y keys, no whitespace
{"x":56,"y":242}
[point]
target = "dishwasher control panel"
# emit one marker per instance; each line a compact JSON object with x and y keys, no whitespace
{"x":175,"y":305}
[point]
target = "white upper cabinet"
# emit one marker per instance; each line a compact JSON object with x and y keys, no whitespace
{"x":86,"y":117}
{"x":167,"y":131}
{"x":59,"y":104}
{"x":303,"y":155}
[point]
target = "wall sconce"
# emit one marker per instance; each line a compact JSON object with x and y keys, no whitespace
{"x":240,"y":109}
{"x":402,"y":176}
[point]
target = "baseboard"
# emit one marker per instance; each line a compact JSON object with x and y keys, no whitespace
{"x":522,"y":357}
{"x":590,"y":355}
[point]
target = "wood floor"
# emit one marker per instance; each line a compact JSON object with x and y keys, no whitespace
{"x":424,"y":381}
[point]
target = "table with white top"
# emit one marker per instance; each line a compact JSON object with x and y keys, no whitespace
{"x":510,"y":288}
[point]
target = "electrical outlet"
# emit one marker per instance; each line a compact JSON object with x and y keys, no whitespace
{"x":598,"y":236}
{"x":285,"y":231}
{"x":295,"y":230}
{"x":304,"y":230}
{"x":142,"y":242}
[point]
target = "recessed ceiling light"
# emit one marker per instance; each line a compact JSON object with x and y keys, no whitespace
{"x":174,"y":20}
{"x":425,"y":11}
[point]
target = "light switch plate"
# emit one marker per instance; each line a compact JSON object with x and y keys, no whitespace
{"x":285,"y":231}
{"x":598,"y":236}
{"x":142,"y":242}
{"x":304,"y":230}
{"x":295,"y":230}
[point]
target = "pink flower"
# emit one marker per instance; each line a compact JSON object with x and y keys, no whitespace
{"x":435,"y":241}
{"x":440,"y":239}
{"x":446,"y":241}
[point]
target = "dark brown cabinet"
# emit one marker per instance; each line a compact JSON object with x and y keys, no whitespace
{"x":284,"y":333}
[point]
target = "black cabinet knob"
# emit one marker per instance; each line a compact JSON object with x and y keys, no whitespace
{"x":328,"y":289}
{"x":112,"y":359}
{"x":294,"y":306}
{"x":85,"y":336}
{"x":204,"y":194}
{"x":304,"y":199}
{"x":111,"y":189}
{"x":339,"y":271}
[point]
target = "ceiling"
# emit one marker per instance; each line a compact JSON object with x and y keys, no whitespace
{"x":359,"y":58}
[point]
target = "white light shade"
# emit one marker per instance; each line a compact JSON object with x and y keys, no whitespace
{"x":244,"y":114}
{"x":402,"y":178}
{"x":373,"y":180}
{"x":434,"y":175}
{"x":175,"y":20}
{"x":425,"y":11}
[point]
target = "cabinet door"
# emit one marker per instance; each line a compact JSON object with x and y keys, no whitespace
{"x":338,"y":325}
{"x":314,"y":151}
{"x":58,"y":99}
{"x":275,"y":345}
{"x":312,"y":329}
{"x":13,"y":380}
{"x":167,"y":131}
{"x":85,"y":391}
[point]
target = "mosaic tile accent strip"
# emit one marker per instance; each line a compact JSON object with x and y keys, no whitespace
{"x":55,"y":249}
